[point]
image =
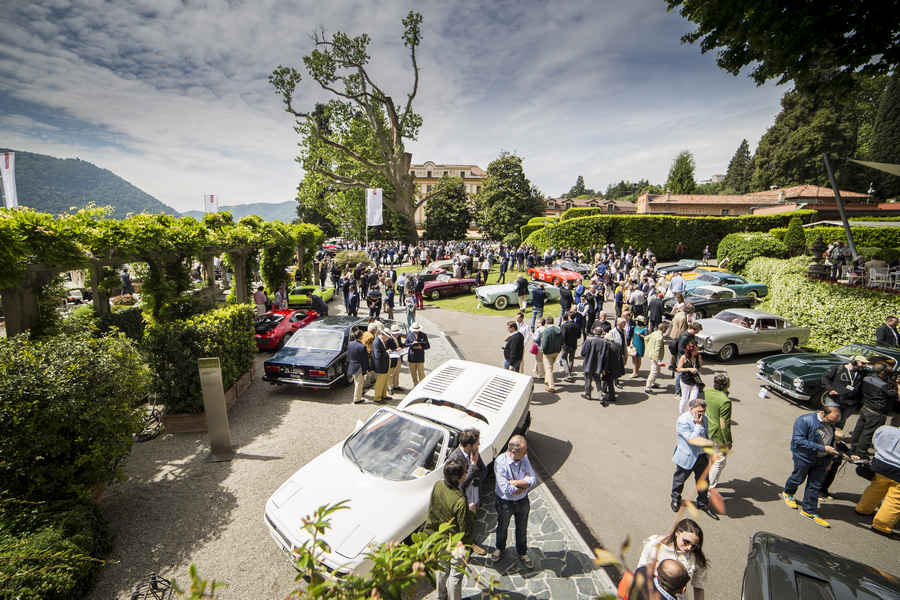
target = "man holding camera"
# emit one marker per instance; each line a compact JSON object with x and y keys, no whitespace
{"x":879,"y":393}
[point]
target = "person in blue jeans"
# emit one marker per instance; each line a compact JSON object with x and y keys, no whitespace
{"x":811,"y":447}
{"x":538,"y":298}
{"x":515,"y":478}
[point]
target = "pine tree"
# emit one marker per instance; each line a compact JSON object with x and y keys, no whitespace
{"x":740,"y":170}
{"x":885,"y":146}
{"x":681,"y":175}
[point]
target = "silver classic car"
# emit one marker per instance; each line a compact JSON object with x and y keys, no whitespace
{"x":745,"y":331}
{"x":501,"y":295}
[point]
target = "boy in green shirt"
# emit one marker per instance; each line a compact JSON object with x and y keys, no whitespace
{"x":718,"y":413}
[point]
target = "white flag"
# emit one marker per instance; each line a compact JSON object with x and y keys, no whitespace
{"x":373,"y":207}
{"x":210,"y":203}
{"x":8,"y":171}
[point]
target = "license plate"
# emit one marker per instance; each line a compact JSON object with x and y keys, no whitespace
{"x":297,"y":370}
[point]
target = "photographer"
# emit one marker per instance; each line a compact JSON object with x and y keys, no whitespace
{"x":879,"y":393}
{"x":885,"y":486}
{"x":844,"y":386}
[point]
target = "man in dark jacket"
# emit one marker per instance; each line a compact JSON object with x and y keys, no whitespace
{"x":418,"y":343}
{"x":522,"y":291}
{"x":811,"y":445}
{"x":886,"y":336}
{"x":879,"y":393}
{"x":420,"y":287}
{"x":843,"y":384}
{"x":595,"y":351}
{"x":538,"y":297}
{"x":319,"y":305}
{"x":358,"y":366}
{"x":381,"y":361}
{"x":654,"y":312}
{"x":571,"y":332}
{"x":353,"y":302}
{"x":514,"y":348}
{"x":565,"y":298}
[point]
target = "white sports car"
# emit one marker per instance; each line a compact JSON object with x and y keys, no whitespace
{"x":388,"y":466}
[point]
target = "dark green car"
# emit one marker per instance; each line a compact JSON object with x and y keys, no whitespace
{"x":799,"y":376}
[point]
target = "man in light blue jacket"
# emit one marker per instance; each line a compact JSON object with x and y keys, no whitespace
{"x":691,"y":438}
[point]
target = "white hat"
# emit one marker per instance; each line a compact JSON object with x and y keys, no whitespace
{"x":415,"y":326}
{"x":395,"y":329}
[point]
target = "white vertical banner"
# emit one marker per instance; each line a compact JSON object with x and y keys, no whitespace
{"x":373,"y":207}
{"x":8,"y":171}
{"x":210,"y":203}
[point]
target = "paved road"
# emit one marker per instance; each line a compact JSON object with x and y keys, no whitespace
{"x":614,"y":464}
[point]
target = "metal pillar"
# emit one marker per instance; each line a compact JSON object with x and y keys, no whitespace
{"x":840,"y":206}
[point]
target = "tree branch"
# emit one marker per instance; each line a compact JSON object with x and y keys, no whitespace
{"x":340,"y":179}
{"x":415,"y":89}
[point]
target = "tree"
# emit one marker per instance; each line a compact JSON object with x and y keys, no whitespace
{"x":447,"y":212}
{"x":790,"y":152}
{"x":740,"y":170}
{"x":579,"y":189}
{"x":507,"y":199}
{"x":681,"y":175}
{"x":339,"y":65}
{"x":794,"y":238}
{"x":885,"y":144}
{"x":796,"y":41}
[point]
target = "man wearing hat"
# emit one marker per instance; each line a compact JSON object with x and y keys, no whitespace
{"x":358,"y":367}
{"x":382,"y":362}
{"x":395,"y":344}
{"x":417,"y":341}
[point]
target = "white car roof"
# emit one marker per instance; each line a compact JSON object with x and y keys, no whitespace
{"x":753,"y":314}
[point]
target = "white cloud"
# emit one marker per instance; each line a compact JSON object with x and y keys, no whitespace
{"x":173,"y":96}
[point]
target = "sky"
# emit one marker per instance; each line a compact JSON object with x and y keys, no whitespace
{"x":172,"y":95}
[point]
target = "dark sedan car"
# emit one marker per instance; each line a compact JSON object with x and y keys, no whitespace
{"x":779,"y":568}
{"x":275,"y":327}
{"x":799,"y":376}
{"x":709,"y":300}
{"x":316,"y":356}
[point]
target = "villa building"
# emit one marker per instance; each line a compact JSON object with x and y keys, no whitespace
{"x":427,"y":175}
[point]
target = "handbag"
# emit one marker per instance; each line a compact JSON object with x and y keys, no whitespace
{"x":534,"y":348}
{"x":632,"y":351}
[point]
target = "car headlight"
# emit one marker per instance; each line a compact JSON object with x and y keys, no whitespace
{"x":760,"y":365}
{"x":798,"y":384}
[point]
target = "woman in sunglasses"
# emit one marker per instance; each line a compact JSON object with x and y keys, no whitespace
{"x":684,"y":544}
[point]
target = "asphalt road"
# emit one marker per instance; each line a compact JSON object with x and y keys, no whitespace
{"x":613,"y":465}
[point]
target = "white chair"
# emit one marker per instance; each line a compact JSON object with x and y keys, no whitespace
{"x":879,"y":278}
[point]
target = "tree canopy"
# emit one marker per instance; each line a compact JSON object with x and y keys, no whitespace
{"x":681,"y":175}
{"x":507,"y":200}
{"x":797,"y":41}
{"x":447,"y":213}
{"x":885,"y":142}
{"x":579,"y":189}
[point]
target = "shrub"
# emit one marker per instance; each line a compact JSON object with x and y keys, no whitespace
{"x":123,"y":300}
{"x":872,"y":237}
{"x":129,"y":321}
{"x":66,"y":416}
{"x":173,"y":349}
{"x":50,"y":551}
{"x":529,"y":228}
{"x":188,"y":305}
{"x":836,"y":314}
{"x":660,"y":233}
{"x":512,"y":239}
{"x":350,"y":258}
{"x":794,"y":238}
{"x":741,"y":248}
{"x":583,"y":211}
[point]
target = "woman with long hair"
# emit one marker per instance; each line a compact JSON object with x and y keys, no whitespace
{"x":689,"y":366}
{"x":684,"y":544}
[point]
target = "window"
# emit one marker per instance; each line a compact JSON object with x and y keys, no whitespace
{"x":725,"y":212}
{"x":428,"y":174}
{"x":477,"y":188}
{"x":462,"y":174}
{"x":812,"y":588}
{"x":428,"y":188}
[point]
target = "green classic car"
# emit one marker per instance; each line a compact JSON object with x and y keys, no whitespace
{"x":799,"y":376}
{"x":299,"y":296}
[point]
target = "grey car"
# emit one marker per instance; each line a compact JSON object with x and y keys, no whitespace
{"x":747,"y":331}
{"x":501,"y":295}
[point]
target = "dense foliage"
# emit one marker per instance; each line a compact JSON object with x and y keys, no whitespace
{"x":50,"y":550}
{"x":660,"y":233}
{"x":174,"y":347}
{"x":66,"y":412}
{"x":681,"y":174}
{"x":447,"y":213}
{"x":507,"y":200}
{"x":533,"y":224}
{"x":876,"y":237}
{"x":741,"y":248}
{"x":885,"y":145}
{"x":836,"y":314}
{"x":55,"y":185}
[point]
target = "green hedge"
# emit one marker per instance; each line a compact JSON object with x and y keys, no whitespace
{"x":533,"y":224}
{"x":173,"y":349}
{"x":583,"y":211}
{"x":836,"y":314}
{"x":741,"y":248}
{"x":66,"y":416}
{"x":872,"y":237}
{"x":658,"y":232}
{"x":50,"y":551}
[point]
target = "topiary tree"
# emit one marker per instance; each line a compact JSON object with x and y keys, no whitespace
{"x":794,"y":238}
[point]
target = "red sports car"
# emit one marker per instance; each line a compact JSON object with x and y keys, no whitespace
{"x":275,"y":327}
{"x":445,"y":286}
{"x":553,"y":275}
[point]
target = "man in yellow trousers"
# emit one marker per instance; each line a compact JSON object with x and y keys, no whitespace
{"x":885,"y":487}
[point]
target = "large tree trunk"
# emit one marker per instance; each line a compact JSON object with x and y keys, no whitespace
{"x":101,"y":298}
{"x":240,"y":278}
{"x":21,"y":303}
{"x":301,"y":254}
{"x":209,"y":264}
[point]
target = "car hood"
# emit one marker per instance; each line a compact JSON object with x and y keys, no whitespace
{"x":497,"y":288}
{"x":331,"y":478}
{"x":795,"y":365}
{"x":307,"y":357}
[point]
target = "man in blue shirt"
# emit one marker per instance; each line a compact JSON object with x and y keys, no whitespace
{"x":690,"y":456}
{"x":811,"y":445}
{"x":515,"y":478}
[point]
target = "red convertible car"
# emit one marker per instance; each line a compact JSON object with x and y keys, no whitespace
{"x":274,"y":328}
{"x":553,"y":275}
{"x":445,"y":286}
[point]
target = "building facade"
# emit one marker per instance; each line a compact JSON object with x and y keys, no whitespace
{"x":427,"y":175}
{"x":554,"y":207}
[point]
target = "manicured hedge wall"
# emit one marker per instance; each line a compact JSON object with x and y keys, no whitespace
{"x":872,"y":237}
{"x":658,"y":232}
{"x":533,"y":224}
{"x":173,"y":349}
{"x":836,"y":314}
{"x":741,"y":248}
{"x":583,"y":211}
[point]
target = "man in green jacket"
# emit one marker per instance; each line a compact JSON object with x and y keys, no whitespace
{"x":718,"y":412}
{"x":551,"y":344}
{"x":448,"y":504}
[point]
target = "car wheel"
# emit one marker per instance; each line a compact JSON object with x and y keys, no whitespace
{"x":435,"y":295}
{"x":818,"y":400}
{"x":523,"y":429}
{"x":727,"y":352}
{"x":753,"y":294}
{"x":701,"y":313}
{"x":788,"y":346}
{"x":501,"y":302}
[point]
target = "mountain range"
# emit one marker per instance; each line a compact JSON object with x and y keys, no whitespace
{"x":55,"y":185}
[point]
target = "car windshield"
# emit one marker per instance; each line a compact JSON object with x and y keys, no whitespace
{"x":854,"y":349}
{"x":704,"y":292}
{"x":395,"y":447}
{"x":267,"y":320}
{"x":443,"y":278}
{"x":301,"y":291}
{"x":707,"y":277}
{"x":734,"y":319}
{"x":320,"y":339}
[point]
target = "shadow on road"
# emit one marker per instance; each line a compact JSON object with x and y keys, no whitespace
{"x":738,"y":494}
{"x":553,"y":452}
